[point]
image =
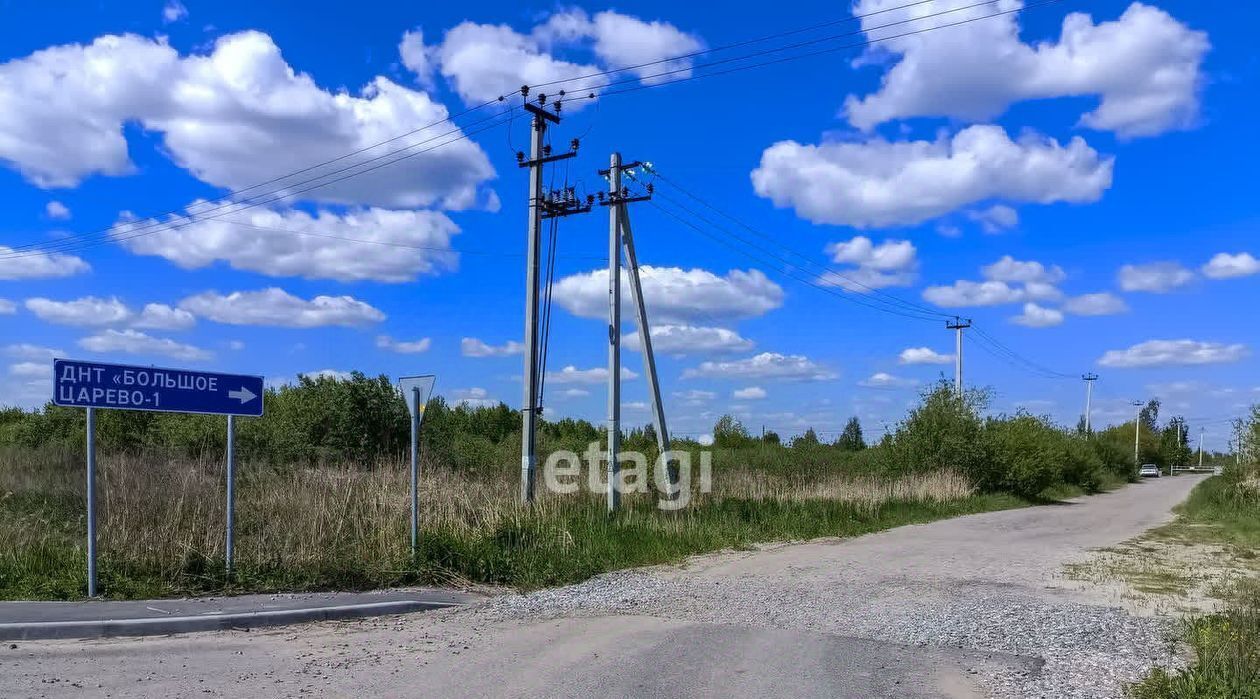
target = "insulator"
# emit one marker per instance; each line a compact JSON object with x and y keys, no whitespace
{"x":524,"y":90}
{"x":520,"y":156}
{"x":573,"y":144}
{"x":547,"y":149}
{"x":542,"y":98}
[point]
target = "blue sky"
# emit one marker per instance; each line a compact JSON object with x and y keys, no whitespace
{"x":1073,"y":177}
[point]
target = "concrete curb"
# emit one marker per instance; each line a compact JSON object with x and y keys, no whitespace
{"x":160,"y":626}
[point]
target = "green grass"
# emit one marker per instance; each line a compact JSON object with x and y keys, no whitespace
{"x":1223,"y":510}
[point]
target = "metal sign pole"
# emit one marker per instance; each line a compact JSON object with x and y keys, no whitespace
{"x":231,"y":493}
{"x":415,"y":471}
{"x":91,"y":501}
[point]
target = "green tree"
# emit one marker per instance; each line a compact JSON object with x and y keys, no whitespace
{"x":806,"y":440}
{"x":851,"y":438}
{"x":730,"y":433}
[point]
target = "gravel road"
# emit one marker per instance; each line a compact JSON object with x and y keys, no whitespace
{"x":969,"y":607}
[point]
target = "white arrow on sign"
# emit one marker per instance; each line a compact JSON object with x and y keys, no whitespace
{"x":244,"y":395}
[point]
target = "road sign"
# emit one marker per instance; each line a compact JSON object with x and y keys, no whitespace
{"x":416,"y":391}
{"x":79,"y":384}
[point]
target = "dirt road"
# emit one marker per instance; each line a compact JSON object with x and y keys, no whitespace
{"x":969,"y":607}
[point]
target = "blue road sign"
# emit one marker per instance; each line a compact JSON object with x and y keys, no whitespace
{"x":95,"y":385}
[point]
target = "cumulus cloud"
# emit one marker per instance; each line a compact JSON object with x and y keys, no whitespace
{"x":173,"y":11}
{"x":963,"y":293}
{"x":881,"y":379}
{"x":417,"y":57}
{"x":1035,"y":316}
{"x":484,"y":61}
{"x":750,"y":393}
{"x":472,"y":347}
{"x":159,"y":316}
{"x":1226,"y":266}
{"x":57,"y":211}
{"x":25,"y":350}
{"x":995,"y":219}
{"x":877,"y":183}
{"x":135,"y":342}
{"x":234,"y":117}
{"x":571,"y":374}
{"x":475,"y":397}
{"x":389,"y":344}
{"x":691,"y":339}
{"x":89,"y":310}
{"x":1174,"y":352}
{"x":276,"y":307}
{"x":695,"y":396}
{"x":369,"y":244}
{"x":767,"y":365}
{"x":871,"y":266}
{"x":1008,"y":269}
{"x":7,"y":307}
{"x":1100,"y":304}
{"x":923,"y":355}
{"x":674,"y":295}
{"x":37,"y":265}
{"x":1006,"y":281}
{"x":1157,"y":277}
{"x":1144,"y":68}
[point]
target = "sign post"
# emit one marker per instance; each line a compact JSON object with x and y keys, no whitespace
{"x":92,"y":385}
{"x":416,"y":391}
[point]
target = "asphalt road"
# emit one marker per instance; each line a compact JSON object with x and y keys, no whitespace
{"x":958,"y":608}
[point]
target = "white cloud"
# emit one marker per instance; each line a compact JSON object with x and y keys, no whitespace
{"x":1157,"y":277}
{"x":1100,"y":304}
{"x":386,"y":342}
{"x":995,"y":219}
{"x":159,"y":316}
{"x":1035,"y":316}
{"x":333,"y":374}
{"x":37,"y":265}
{"x":173,"y":11}
{"x":768,"y":365}
{"x":136,"y":342}
{"x":878,"y":183}
{"x":7,"y":307}
{"x":968,"y":293}
{"x":31,"y":370}
{"x":56,"y":211}
{"x":472,"y":347}
{"x":279,"y":308}
{"x":484,"y":61}
{"x":571,"y":374}
{"x":750,"y":393}
{"x":1226,"y":266}
{"x":1174,"y":352}
{"x":882,"y":379}
{"x":695,"y":396}
{"x":890,"y":263}
{"x":87,"y":311}
{"x":368,"y":244}
{"x":28,"y":351}
{"x":674,"y":295}
{"x":923,"y":355}
{"x":417,"y":57}
{"x":574,"y":393}
{"x":1008,"y":269}
{"x":474,"y":397}
{"x":690,"y":339}
{"x":235,"y":117}
{"x":1144,"y":67}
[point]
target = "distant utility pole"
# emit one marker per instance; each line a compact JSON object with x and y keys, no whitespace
{"x":1200,"y":448}
{"x":958,"y":325}
{"x":1089,"y":400}
{"x":1137,"y":431}
{"x":621,"y":236}
{"x":540,"y":206}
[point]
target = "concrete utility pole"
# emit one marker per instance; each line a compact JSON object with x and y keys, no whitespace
{"x":539,"y":155}
{"x":958,"y":325}
{"x":1089,"y":400}
{"x":621,"y":235}
{"x":1137,"y":431}
{"x":1200,"y":448}
{"x":614,"y":334}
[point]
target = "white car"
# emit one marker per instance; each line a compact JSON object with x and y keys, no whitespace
{"x":1149,"y":471}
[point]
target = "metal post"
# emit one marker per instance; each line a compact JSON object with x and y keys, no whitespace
{"x":529,"y":400}
{"x":614,"y":335}
{"x":1089,"y":401}
{"x":645,"y":340}
{"x":415,"y":471}
{"x":1200,"y":448}
{"x":231,"y":494}
{"x":91,"y":501}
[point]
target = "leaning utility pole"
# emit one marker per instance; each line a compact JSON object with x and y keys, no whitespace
{"x":621,"y":235}
{"x":1089,"y":399}
{"x":539,"y":155}
{"x":957,"y":325}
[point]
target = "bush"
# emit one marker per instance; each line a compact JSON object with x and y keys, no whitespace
{"x":1028,"y":454}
